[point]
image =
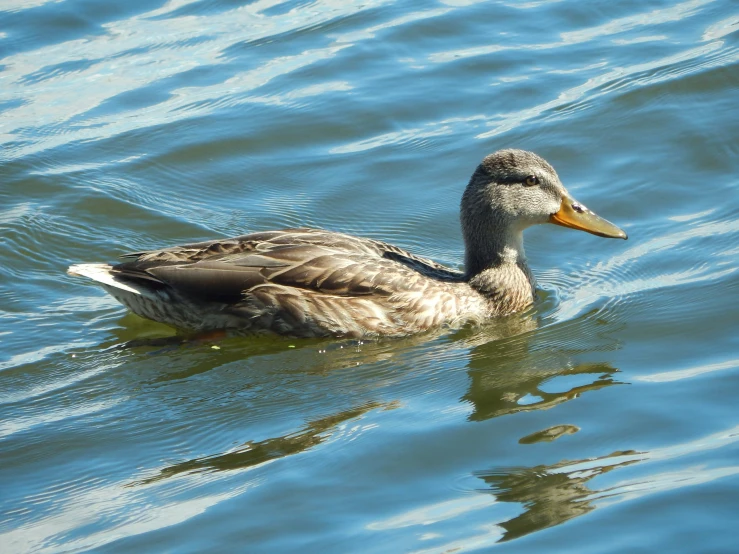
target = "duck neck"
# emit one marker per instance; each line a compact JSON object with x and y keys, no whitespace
{"x":494,"y":251}
{"x":496,"y":267}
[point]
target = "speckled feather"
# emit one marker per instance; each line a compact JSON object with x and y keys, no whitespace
{"x":299,"y":282}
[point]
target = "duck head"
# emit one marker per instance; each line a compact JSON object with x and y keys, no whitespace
{"x":510,"y":191}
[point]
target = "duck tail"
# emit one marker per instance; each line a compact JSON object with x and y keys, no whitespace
{"x":102,"y":274}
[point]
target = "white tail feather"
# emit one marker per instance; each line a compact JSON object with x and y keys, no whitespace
{"x":101,"y":274}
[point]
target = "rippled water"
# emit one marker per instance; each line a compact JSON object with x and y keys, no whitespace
{"x":603,"y":421}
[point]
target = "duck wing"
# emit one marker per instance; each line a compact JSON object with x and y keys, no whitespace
{"x":311,"y":260}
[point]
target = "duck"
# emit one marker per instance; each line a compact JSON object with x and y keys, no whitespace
{"x":304,"y":282}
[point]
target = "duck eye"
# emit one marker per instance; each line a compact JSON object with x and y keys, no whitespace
{"x":531,"y":180}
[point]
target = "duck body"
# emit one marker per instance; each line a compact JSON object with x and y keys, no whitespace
{"x":315,"y":283}
{"x":299,"y":282}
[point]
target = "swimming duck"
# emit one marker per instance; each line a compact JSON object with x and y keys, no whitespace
{"x":313,"y":283}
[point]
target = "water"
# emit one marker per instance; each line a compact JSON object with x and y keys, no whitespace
{"x":603,"y":421}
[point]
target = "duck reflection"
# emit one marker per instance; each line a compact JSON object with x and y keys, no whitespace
{"x":514,"y":372}
{"x":494,"y":393}
{"x":510,"y":364}
{"x":550,"y":494}
{"x":252,"y":453}
{"x":509,"y":367}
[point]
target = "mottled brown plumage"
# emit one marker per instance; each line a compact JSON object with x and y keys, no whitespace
{"x":309,"y":282}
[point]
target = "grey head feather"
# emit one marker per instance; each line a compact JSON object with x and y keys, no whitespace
{"x":498,"y":205}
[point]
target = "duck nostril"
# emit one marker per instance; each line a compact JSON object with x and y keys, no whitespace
{"x":579,"y":208}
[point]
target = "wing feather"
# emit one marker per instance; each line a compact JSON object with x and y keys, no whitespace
{"x":306,"y":259}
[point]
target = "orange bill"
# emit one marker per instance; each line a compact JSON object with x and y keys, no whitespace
{"x":574,"y":215}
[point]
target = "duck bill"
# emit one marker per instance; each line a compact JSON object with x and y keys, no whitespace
{"x":574,"y":215}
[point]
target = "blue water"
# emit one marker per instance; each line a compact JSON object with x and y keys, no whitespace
{"x":604,"y":420}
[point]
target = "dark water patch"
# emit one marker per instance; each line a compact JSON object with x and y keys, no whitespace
{"x":50,"y":72}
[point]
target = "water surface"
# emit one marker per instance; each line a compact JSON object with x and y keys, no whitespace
{"x":604,"y":420}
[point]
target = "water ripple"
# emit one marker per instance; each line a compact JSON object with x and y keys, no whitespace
{"x":151,"y":48}
{"x":129,"y":126}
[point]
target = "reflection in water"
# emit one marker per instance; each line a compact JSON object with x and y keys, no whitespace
{"x":508,"y":377}
{"x":556,"y":493}
{"x":550,"y":494}
{"x":549,"y":434}
{"x":509,"y":366}
{"x":251,"y":453}
{"x":507,"y":372}
{"x":500,"y":392}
